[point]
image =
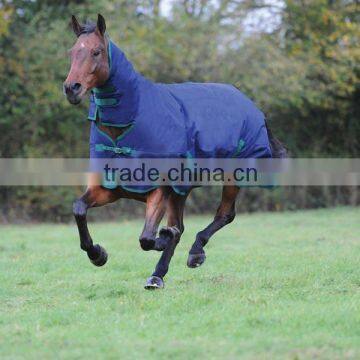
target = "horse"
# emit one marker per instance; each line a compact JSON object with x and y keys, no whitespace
{"x":100,"y":68}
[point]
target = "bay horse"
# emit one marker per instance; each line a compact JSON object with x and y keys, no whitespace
{"x":117,"y":93}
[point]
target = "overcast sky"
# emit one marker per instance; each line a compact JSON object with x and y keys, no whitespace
{"x":261,"y":20}
{"x":165,"y":7}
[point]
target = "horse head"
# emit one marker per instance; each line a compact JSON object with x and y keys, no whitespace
{"x":89,"y":59}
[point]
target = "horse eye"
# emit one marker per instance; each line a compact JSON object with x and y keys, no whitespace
{"x":96,"y":52}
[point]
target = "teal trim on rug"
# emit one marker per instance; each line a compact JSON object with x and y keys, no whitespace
{"x":138,"y":191}
{"x":120,"y":137}
{"x":117,"y":150}
{"x":109,"y":55}
{"x":239,"y":148}
{"x":106,"y":135}
{"x":104,"y":90}
{"x":182,"y":193}
{"x":109,"y":187}
{"x":117,"y":125}
{"x":106,"y":102}
{"x":93,"y":118}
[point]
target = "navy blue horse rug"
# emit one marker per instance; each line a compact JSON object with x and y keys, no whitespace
{"x":187,"y":120}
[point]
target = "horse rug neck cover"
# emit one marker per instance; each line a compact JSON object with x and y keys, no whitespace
{"x":189,"y":120}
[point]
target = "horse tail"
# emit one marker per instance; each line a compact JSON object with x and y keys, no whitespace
{"x":278,"y":150}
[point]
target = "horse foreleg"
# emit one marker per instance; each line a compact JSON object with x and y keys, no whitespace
{"x":170,"y":236}
{"x":224,"y":216}
{"x":94,"y":197}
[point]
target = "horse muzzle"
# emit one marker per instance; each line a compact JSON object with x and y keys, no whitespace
{"x":73,"y":92}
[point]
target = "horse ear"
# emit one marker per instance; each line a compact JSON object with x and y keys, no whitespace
{"x":77,"y":28}
{"x":101,"y":25}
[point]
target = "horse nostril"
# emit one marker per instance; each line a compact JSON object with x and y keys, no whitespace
{"x":66,"y":88}
{"x":75,"y":87}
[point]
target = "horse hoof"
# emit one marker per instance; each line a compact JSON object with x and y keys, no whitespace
{"x":102,"y":258}
{"x":154,"y":283}
{"x":195,"y":260}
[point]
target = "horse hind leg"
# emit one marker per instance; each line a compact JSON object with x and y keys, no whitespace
{"x":171,"y":236}
{"x":224,"y":216}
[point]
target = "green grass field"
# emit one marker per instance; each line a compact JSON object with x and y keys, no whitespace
{"x":284,"y":285}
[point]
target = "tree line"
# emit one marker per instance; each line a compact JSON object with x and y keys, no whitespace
{"x":298,"y":60}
